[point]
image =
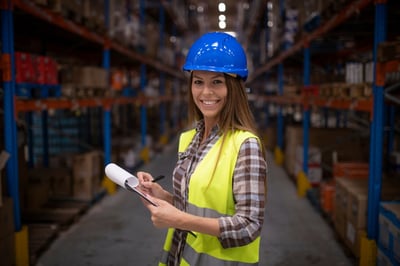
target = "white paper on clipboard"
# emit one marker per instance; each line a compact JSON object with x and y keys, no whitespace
{"x":125,"y":179}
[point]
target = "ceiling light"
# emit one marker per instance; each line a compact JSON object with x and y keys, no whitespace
{"x":222,"y":25}
{"x":221,"y":7}
{"x":222,"y":18}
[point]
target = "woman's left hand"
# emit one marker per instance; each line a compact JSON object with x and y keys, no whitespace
{"x":164,"y":215}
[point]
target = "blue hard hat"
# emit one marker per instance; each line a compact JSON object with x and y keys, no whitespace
{"x":217,"y":52}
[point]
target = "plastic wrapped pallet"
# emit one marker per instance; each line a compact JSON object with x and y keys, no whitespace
{"x":389,"y":231}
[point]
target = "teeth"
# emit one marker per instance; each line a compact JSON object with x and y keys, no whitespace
{"x":209,"y":102}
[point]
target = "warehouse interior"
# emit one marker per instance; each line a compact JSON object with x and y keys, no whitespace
{"x":86,"y":83}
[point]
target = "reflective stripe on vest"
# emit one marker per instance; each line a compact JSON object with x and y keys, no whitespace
{"x":214,"y":199}
{"x":167,"y":247}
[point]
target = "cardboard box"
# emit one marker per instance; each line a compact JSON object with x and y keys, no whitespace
{"x":341,"y":198}
{"x":314,"y":174}
{"x":87,"y":173}
{"x":340,"y":207}
{"x":59,"y":179}
{"x":353,"y":238}
{"x":6,"y":217}
{"x":339,"y":222}
{"x":346,"y":143}
{"x":61,"y":183}
{"x":357,"y":193}
{"x":36,"y":195}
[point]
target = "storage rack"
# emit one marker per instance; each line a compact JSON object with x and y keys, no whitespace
{"x":365,"y":105}
{"x":374,"y":106}
{"x":14,"y":105}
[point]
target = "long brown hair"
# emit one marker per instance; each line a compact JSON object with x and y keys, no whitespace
{"x":236,"y":114}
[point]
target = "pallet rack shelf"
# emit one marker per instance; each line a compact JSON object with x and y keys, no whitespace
{"x":14,"y":105}
{"x":373,"y":105}
{"x":59,"y":21}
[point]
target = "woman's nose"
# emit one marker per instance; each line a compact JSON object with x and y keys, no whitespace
{"x":207,"y":90}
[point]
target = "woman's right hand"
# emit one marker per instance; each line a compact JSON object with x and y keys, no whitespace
{"x":147,"y":185}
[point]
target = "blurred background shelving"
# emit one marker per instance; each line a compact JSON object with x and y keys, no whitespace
{"x":89,"y":82}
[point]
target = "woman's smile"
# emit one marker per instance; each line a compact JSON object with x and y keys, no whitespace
{"x":209,"y":93}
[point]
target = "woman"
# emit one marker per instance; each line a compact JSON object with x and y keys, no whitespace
{"x":216,"y":211}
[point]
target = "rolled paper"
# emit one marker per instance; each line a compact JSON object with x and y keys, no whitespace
{"x":125,"y":179}
{"x":119,"y":175}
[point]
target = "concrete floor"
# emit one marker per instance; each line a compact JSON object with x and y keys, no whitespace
{"x":118,"y":231}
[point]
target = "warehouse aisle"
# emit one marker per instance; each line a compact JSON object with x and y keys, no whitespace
{"x":117,"y":230}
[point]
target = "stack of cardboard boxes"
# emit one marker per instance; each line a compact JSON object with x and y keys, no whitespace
{"x":77,"y":177}
{"x":351,"y":205}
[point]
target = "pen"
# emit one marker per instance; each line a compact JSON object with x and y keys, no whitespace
{"x":158,"y":178}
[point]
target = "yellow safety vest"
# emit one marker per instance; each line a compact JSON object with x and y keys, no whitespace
{"x":213,"y":200}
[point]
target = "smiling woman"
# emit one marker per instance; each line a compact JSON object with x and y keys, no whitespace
{"x":219,"y":180}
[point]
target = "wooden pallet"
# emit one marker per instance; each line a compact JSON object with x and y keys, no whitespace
{"x":45,"y":224}
{"x":62,"y":212}
{"x":41,"y":235}
{"x":61,"y":217}
{"x":60,"y":203}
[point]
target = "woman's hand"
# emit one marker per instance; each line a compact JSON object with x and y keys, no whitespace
{"x":164,"y":215}
{"x":151,"y":188}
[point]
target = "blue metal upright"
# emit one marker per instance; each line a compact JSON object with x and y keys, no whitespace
{"x":143,"y":110}
{"x":107,"y":110}
{"x":162,"y":74}
{"x":375,"y":163}
{"x":280,"y":115}
{"x":280,"y":124}
{"x":45,"y":137}
{"x":107,"y":134}
{"x":306,"y":109}
{"x":10,"y":127}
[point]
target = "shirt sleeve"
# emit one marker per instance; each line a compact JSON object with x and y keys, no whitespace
{"x":249,"y":189}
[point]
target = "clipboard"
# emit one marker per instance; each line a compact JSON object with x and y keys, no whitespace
{"x":126,"y":180}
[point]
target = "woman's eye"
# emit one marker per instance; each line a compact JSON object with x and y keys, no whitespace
{"x":217,"y":81}
{"x":197,"y":82}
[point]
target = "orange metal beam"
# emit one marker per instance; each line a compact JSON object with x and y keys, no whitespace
{"x":27,"y":105}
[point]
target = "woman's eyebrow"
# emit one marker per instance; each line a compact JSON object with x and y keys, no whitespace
{"x":213,"y":77}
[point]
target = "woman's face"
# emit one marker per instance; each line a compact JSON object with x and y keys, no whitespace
{"x":209,"y":93}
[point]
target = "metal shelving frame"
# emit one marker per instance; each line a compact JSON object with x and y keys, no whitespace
{"x":14,"y":105}
{"x":374,"y":106}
